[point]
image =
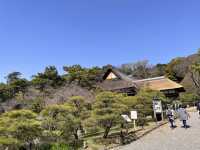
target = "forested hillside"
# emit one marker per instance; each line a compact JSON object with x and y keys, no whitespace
{"x":49,"y":86}
{"x":52,"y":110}
{"x":54,"y":88}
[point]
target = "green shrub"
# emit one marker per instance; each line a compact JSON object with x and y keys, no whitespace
{"x":188,"y":98}
{"x":60,"y":147}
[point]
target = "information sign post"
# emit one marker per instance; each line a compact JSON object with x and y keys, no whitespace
{"x":134,"y":117}
{"x":157,"y":108}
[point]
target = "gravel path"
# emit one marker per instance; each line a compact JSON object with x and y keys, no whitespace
{"x":165,"y":138}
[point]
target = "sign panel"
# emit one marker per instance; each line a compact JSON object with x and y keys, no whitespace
{"x":134,"y":115}
{"x":157,"y":106}
{"x":126,"y":118}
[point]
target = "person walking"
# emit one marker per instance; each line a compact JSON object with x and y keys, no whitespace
{"x":171,"y":116}
{"x":183,"y":115}
{"x":198,"y":107}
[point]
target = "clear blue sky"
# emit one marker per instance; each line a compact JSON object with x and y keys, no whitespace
{"x":37,"y":33}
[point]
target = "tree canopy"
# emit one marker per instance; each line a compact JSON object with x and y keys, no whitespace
{"x":19,"y":126}
{"x":83,"y":76}
{"x":107,"y":110}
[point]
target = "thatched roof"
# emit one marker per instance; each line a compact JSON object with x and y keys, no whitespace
{"x":122,"y":81}
{"x":159,"y":83}
{"x":116,"y":85}
{"x":119,"y":74}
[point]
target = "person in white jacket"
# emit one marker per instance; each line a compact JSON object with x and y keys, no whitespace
{"x":183,"y":115}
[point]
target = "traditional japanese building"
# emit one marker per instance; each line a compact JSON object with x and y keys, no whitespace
{"x":114,"y":80}
{"x":163,"y":84}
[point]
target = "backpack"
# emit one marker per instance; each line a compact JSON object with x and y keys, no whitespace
{"x":169,"y":113}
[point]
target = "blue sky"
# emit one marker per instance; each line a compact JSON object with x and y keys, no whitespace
{"x":38,"y":33}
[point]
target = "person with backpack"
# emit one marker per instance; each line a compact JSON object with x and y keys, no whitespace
{"x":170,"y":115}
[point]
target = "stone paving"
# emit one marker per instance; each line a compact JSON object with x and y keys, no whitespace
{"x":165,"y":138}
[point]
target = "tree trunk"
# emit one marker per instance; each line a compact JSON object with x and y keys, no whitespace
{"x":76,"y":136}
{"x":76,"y":139}
{"x":30,"y":146}
{"x":122,"y":137}
{"x":106,"y":132}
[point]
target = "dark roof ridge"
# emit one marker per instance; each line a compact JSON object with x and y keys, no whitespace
{"x":119,"y":73}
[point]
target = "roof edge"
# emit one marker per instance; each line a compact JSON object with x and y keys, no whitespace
{"x":150,"y":79}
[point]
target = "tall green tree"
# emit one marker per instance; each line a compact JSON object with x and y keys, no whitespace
{"x":59,"y":124}
{"x":16,"y":84}
{"x":21,"y":126}
{"x":20,"y":85}
{"x":158,"y":70}
{"x":11,"y":77}
{"x":83,"y":76}
{"x":49,"y":77}
{"x":177,"y":69}
{"x":107,"y":111}
{"x":79,"y":106}
{"x":51,"y":74}
{"x":188,"y":98}
{"x":40,"y":83}
{"x":145,"y":98}
{"x":5,"y":93}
